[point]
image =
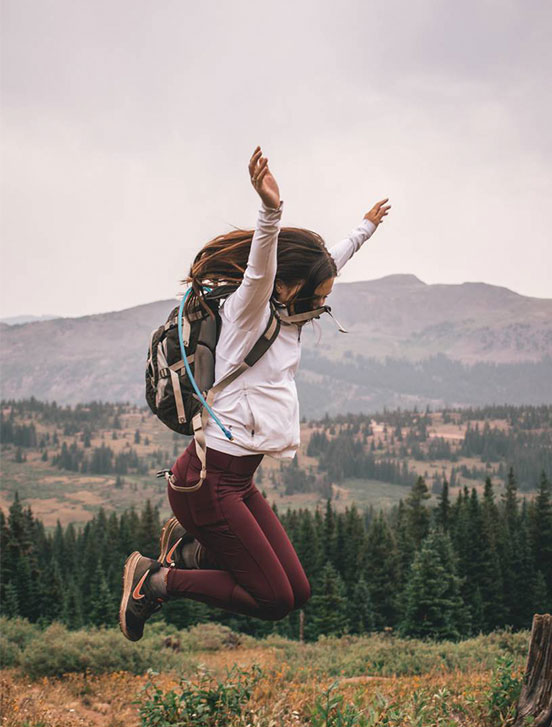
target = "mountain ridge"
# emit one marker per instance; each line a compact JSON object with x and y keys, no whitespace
{"x":398,"y":278}
{"x":103,"y":355}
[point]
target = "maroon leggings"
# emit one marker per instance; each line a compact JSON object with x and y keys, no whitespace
{"x":260,"y":574}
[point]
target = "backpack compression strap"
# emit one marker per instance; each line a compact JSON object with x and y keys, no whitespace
{"x":261,"y":346}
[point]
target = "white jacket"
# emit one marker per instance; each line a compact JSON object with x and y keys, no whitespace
{"x":261,"y":407}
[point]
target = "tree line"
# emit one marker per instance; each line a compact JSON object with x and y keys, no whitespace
{"x":450,"y":571}
{"x":519,"y":417}
{"x":345,"y":447}
{"x":93,"y":415}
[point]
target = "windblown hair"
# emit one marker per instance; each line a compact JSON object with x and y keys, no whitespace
{"x":301,"y":255}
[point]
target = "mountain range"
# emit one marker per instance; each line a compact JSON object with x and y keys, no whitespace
{"x":409,"y":343}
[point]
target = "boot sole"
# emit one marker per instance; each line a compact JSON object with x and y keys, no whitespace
{"x":128,"y":577}
{"x":164,"y":540}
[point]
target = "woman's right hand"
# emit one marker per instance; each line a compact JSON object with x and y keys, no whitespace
{"x":378,"y":212}
{"x":263,"y":181}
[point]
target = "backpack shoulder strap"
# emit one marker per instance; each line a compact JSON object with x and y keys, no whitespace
{"x":266,"y":340}
{"x":199,"y":421}
{"x":261,"y":346}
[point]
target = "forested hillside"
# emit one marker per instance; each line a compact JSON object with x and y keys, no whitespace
{"x":68,"y":461}
{"x":447,"y":571}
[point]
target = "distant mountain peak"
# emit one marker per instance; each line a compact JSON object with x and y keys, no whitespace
{"x":478,"y":285}
{"x":20,"y":320}
{"x":401,"y":279}
{"x":398,"y":280}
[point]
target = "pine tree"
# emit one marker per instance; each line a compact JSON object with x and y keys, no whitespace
{"x":382,"y":572}
{"x":5,"y":570}
{"x":148,"y":532}
{"x":491,"y":583}
{"x":71,"y":554}
{"x":58,"y":545}
{"x":442,"y":515}
{"x":360,"y":614}
{"x":405,"y":547}
{"x":128,"y":531}
{"x":541,"y":534}
{"x":508,"y":547}
{"x":340,"y":544}
{"x":524,"y":575}
{"x":21,"y":564}
{"x":433,"y":603}
{"x":540,"y":598}
{"x":511,"y":502}
{"x":352,"y":554}
{"x":329,"y":534}
{"x":71,"y":614}
{"x":417,"y":515}
{"x":309,"y":549}
{"x":102,"y":603}
{"x":10,"y":601}
{"x":326,"y":612}
{"x":52,"y":593}
{"x":472,"y":551}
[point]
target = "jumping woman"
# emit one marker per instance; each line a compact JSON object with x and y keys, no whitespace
{"x":225,"y":546}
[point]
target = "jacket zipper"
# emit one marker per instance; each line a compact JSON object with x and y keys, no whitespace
{"x":253,"y":423}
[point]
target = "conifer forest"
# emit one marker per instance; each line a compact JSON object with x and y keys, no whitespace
{"x":466,"y":553}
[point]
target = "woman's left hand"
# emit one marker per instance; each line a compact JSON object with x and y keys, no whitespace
{"x":262,"y":179}
{"x":378,"y":212}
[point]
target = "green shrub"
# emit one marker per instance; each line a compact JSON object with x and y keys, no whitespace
{"x":503,"y":695}
{"x":59,"y":651}
{"x":56,"y":650}
{"x":210,"y":702}
{"x":18,"y":631}
{"x":381,"y":655}
{"x":328,"y":711}
{"x":212,"y":637}
{"x":9,"y":652}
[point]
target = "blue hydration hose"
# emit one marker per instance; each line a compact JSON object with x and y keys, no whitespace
{"x":200,"y":396}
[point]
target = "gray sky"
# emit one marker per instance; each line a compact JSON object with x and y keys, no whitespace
{"x":127,"y":127}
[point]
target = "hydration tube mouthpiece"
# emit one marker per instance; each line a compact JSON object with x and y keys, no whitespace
{"x":227,"y":433}
{"x":339,"y":326}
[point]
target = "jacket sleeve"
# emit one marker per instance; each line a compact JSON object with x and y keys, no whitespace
{"x":246,"y":306}
{"x":345,"y":249}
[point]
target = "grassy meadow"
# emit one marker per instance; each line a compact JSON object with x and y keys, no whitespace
{"x":209,"y":675}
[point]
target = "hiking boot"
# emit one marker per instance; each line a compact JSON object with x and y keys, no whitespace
{"x":176,"y":545}
{"x":139,"y":599}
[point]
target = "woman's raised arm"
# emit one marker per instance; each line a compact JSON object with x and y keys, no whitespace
{"x":345,"y":249}
{"x":246,"y":307}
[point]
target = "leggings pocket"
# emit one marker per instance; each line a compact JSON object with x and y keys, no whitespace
{"x":203,"y":503}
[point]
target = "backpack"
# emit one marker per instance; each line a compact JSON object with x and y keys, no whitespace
{"x":180,"y":392}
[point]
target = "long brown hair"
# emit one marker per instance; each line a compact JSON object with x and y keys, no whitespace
{"x":301,"y":256}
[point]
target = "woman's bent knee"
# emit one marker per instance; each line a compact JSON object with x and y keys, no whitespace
{"x":278,"y":608}
{"x":276,"y":614}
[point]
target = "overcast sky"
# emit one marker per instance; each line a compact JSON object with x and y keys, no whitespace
{"x":127,"y":127}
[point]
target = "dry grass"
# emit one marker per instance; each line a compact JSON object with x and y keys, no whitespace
{"x":284,"y":696}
